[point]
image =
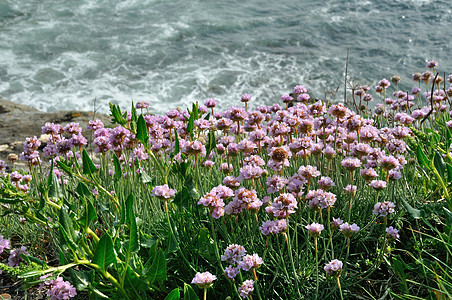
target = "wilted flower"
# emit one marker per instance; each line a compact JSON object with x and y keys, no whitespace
{"x":431,"y":64}
{"x":142,"y":104}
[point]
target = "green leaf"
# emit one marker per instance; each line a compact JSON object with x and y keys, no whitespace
{"x":88,"y":165}
{"x":174,"y":295}
{"x":413,"y":212}
{"x":439,"y":164}
{"x":133,"y":282}
{"x":99,"y":294}
{"x":133,"y":113}
{"x":157,"y":271}
{"x":448,"y":138}
{"x":211,"y":143}
{"x":54,"y":188}
{"x":204,"y":243}
{"x":449,"y":172}
{"x":30,"y":259}
{"x":118,"y":171}
{"x":421,"y":158}
{"x":133,"y":245}
{"x":195,"y":111}
{"x":142,"y":131}
{"x":89,"y":214}
{"x":145,"y":178}
{"x":176,"y":143}
{"x":104,"y":254}
{"x":172,"y":243}
{"x":10,"y":201}
{"x":434,"y":136}
{"x":399,"y":268}
{"x":189,"y":293}
{"x":118,"y":116}
{"x":81,"y":279}
{"x":66,"y":240}
{"x":64,"y":167}
{"x":448,"y":216}
{"x":67,"y":224}
{"x":149,"y":242}
{"x":83,"y":191}
{"x":191,"y":124}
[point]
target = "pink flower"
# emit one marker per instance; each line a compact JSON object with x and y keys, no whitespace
{"x":210,"y":103}
{"x":203,"y":280}
{"x":4,"y":244}
{"x":14,"y":256}
{"x":334,"y":267}
{"x":336,"y":223}
{"x":392,"y":233}
{"x":58,"y":288}
{"x":163,"y":192}
{"x":378,"y":184}
{"x":315,"y":229}
{"x":325,"y":183}
{"x":231,"y":272}
{"x":245,"y":97}
{"x":250,"y":262}
{"x":246,"y":288}
{"x":273,"y":227}
{"x":283,"y":206}
{"x":348,"y":230}
{"x":383,"y":208}
{"x":233,"y":254}
{"x":351,"y":163}
{"x":275,"y":184}
{"x":308,"y":171}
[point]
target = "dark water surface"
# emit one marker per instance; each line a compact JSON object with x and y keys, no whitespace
{"x":62,"y":54}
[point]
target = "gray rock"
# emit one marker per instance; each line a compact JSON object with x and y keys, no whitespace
{"x":17,"y":122}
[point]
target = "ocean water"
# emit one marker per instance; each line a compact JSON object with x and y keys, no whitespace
{"x":65,"y":54}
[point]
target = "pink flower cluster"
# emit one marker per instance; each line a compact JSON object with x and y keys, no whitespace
{"x":203,"y":280}
{"x":58,"y":289}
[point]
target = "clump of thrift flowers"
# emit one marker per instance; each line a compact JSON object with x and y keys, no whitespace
{"x":203,"y":280}
{"x":383,"y":209}
{"x":58,"y":289}
{"x":246,"y":288}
